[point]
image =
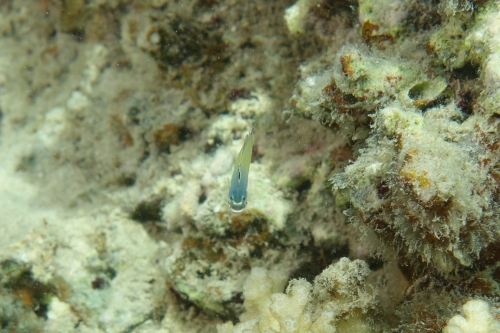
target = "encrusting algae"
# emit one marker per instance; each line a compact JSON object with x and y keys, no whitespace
{"x":376,"y":200}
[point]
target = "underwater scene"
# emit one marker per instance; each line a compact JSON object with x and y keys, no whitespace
{"x":261,"y":166}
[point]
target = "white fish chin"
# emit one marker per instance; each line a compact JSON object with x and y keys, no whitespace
{"x":237,"y":208}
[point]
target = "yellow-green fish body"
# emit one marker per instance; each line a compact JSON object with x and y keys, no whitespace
{"x":239,"y":180}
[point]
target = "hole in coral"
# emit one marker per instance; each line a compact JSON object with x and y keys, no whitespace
{"x":133,"y":115}
{"x":185,"y":133}
{"x":383,"y":190}
{"x":202,"y":198}
{"x":237,"y":297}
{"x":210,"y":148}
{"x":320,"y":258}
{"x":303,"y":188}
{"x":125,"y":180}
{"x":99,"y":283}
{"x":374,"y":263}
{"x":148,"y":210}
{"x":468,"y":71}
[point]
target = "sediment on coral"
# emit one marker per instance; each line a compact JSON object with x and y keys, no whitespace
{"x":420,"y":116}
{"x":120,"y":122}
{"x":422,"y":175}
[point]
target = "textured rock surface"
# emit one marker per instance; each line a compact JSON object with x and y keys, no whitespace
{"x":120,"y":122}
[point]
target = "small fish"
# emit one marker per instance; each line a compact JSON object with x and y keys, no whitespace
{"x":239,"y":180}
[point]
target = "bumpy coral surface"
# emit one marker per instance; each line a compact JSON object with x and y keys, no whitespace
{"x":425,"y":176}
{"x":426,"y":185}
{"x":337,"y":301}
{"x":419,"y":107}
{"x":478,"y":319}
{"x":120,"y":122}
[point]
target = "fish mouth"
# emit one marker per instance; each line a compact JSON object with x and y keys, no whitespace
{"x":237,"y":207}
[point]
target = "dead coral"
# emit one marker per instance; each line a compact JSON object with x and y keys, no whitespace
{"x":354,"y":87}
{"x":202,"y":269}
{"x":439,"y":203}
